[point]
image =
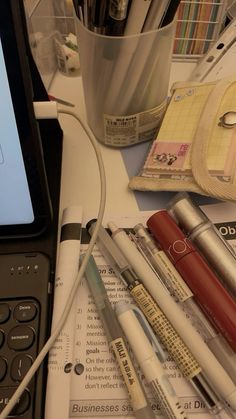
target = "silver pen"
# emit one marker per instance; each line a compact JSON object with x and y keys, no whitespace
{"x":181,"y":292}
{"x":116,"y":340}
{"x":206,"y":237}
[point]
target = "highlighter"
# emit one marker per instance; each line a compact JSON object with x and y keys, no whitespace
{"x":209,"y":293}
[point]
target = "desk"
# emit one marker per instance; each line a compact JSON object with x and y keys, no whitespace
{"x":79,"y":165}
{"x":80,"y":182}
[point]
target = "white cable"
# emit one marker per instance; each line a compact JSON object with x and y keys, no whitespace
{"x":14,"y":399}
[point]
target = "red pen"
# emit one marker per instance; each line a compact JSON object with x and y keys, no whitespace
{"x":206,"y":287}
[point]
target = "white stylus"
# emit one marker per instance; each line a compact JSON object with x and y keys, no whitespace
{"x":148,"y":361}
{"x":61,"y":355}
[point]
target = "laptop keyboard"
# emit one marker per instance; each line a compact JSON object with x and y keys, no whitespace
{"x":19,"y":325}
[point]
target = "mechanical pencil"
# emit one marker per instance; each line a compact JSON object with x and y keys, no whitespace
{"x":206,"y":287}
{"x":206,"y":237}
{"x":116,"y":340}
{"x":213,"y":370}
{"x":66,"y":271}
{"x":148,"y":361}
{"x":182,"y":293}
{"x":157,"y":319}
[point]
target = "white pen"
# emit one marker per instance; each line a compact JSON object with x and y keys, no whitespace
{"x":213,"y":370}
{"x":142,"y":408}
{"x":61,"y":355}
{"x":177,"y":287}
{"x":149,"y":363}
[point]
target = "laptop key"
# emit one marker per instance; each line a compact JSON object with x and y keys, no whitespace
{"x":21,"y":406}
{"x":20,"y":366}
{"x":25,"y":311}
{"x":21,"y":338}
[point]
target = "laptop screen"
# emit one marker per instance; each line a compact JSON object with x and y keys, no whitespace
{"x":16,"y":205}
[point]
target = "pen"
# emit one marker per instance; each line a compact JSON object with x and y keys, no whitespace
{"x":206,"y":287}
{"x":157,"y":319}
{"x":66,"y":271}
{"x":78,"y":7}
{"x":155,"y":15}
{"x":149,"y":363}
{"x":138,"y":11}
{"x":182,"y":293}
{"x":206,"y":237}
{"x":81,"y":11}
{"x":213,"y":370}
{"x":117,"y":14}
{"x":68,"y":256}
{"x":117,"y":343}
{"x":99,"y":16}
{"x":169,"y":13}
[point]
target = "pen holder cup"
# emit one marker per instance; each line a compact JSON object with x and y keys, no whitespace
{"x":125,"y":82}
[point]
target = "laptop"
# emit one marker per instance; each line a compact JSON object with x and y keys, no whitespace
{"x":30,"y":163}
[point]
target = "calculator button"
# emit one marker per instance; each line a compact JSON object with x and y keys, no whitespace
{"x":21,"y":338}
{"x":21,"y":406}
{"x":4,"y":312}
{"x":3,"y":368}
{"x":20,"y":366}
{"x":2,"y":338}
{"x":25,"y":311}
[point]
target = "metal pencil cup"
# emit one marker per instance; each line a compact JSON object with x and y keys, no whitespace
{"x":125,"y":81}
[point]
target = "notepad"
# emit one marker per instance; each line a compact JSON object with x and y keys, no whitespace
{"x":193,"y":148}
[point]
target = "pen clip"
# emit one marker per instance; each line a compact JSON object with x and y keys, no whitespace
{"x":160,"y":353}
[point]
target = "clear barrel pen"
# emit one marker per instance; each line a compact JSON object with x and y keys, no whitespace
{"x":182,"y":293}
{"x":211,"y":367}
{"x":171,"y":340}
{"x":116,"y":340}
{"x":200,"y":230}
{"x":148,"y":361}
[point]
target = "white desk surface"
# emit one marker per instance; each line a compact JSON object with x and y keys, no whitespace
{"x":80,"y":181}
